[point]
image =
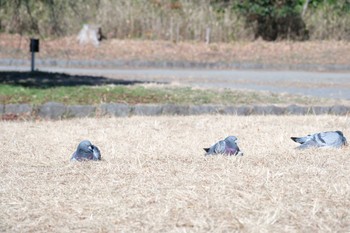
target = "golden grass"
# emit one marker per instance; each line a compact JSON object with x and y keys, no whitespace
{"x":155,"y":178}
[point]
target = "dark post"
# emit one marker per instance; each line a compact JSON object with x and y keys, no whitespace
{"x":34,"y":47}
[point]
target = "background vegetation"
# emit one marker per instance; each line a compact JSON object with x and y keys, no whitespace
{"x":178,"y":20}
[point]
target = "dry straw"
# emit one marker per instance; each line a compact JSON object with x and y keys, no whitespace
{"x":154,"y":176}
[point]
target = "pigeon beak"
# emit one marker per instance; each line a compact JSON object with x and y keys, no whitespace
{"x":90,"y":148}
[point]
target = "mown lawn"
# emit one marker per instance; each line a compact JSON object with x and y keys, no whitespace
{"x":10,"y":94}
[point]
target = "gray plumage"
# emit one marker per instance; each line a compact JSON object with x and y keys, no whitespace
{"x":227,"y":146}
{"x":86,"y":151}
{"x":332,"y":139}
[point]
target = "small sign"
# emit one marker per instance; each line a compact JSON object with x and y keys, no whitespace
{"x":34,"y":45}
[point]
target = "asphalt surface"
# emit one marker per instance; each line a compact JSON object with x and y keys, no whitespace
{"x":320,"y":84}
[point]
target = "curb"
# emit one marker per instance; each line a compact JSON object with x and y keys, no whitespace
{"x":56,"y":111}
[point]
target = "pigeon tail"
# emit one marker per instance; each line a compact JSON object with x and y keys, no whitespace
{"x":300,"y":140}
{"x":206,"y":149}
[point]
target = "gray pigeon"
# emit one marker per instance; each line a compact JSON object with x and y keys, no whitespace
{"x":328,"y":139}
{"x":227,"y":146}
{"x":86,"y":151}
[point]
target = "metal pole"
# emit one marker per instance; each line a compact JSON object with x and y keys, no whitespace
{"x":33,"y":61}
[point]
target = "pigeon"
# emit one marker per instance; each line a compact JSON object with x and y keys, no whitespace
{"x":86,"y":151}
{"x":227,"y":146}
{"x":330,"y":139}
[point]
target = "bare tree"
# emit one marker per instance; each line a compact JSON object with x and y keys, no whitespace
{"x":306,"y":4}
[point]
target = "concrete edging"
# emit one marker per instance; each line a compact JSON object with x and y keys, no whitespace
{"x":53,"y":110}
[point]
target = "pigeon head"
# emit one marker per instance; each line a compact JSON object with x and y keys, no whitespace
{"x":231,"y":140}
{"x":340,"y":133}
{"x":85,"y":147}
{"x":344,"y":141}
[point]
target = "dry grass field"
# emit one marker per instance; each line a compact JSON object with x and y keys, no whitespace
{"x":154,"y":176}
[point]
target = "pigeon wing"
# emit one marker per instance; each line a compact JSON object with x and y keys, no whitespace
{"x":217,"y":148}
{"x":308,"y":144}
{"x":220,"y":147}
{"x":330,"y":139}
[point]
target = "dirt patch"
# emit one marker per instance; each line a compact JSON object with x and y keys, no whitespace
{"x":311,"y":52}
{"x":154,"y":176}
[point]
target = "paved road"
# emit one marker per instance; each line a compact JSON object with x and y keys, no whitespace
{"x":322,"y":84}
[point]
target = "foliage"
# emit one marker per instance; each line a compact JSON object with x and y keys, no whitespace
{"x":273,"y":19}
{"x":329,"y":19}
{"x":45,"y":17}
{"x":177,"y":20}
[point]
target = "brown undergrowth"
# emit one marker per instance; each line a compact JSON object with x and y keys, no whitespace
{"x":284,"y":52}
